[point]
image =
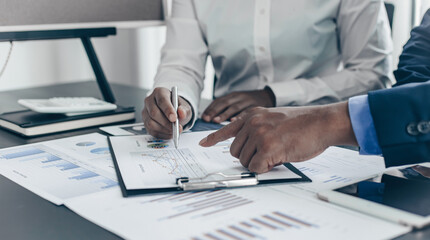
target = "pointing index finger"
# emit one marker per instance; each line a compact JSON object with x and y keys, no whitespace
{"x":223,"y":134}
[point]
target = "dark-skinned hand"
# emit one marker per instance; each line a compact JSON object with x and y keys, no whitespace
{"x":158,"y":113}
{"x":229,"y":106}
{"x":268,"y":137}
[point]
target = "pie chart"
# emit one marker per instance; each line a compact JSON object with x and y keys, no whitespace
{"x":100,"y":151}
{"x":85,"y":144}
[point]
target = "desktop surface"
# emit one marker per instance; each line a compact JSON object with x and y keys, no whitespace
{"x":24,"y":215}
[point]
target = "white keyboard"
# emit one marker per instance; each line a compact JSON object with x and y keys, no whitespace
{"x":67,"y":105}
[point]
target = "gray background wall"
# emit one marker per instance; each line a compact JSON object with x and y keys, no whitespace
{"x":29,"y":12}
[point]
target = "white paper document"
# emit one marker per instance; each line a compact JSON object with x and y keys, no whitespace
{"x":245,"y":213}
{"x":146,"y":162}
{"x":79,"y":172}
{"x":61,"y":169}
{"x":338,"y":167}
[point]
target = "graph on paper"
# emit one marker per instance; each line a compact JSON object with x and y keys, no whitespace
{"x":148,"y":163}
{"x":242,"y":213}
{"x":337,"y":167}
{"x":198,"y":204}
{"x":260,"y":226}
{"x":58,"y":174}
{"x":173,"y":163}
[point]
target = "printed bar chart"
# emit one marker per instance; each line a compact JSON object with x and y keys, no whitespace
{"x":51,"y":158}
{"x":84,"y":175}
{"x":259,"y":227}
{"x":59,"y":174}
{"x":335,"y":178}
{"x":66,"y":166}
{"x":200,"y":204}
{"x":23,"y":153}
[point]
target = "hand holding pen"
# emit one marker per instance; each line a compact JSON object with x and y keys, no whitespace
{"x":175,"y":124}
{"x":159,"y":113}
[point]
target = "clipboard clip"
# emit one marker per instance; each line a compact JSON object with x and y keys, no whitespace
{"x":210,"y":182}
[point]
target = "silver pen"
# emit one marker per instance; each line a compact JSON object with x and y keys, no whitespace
{"x":175,"y":125}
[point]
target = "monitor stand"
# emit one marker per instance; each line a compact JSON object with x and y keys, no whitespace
{"x":85,"y":35}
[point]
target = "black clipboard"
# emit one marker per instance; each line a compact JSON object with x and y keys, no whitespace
{"x":244,"y":180}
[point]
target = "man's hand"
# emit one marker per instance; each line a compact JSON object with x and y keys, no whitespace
{"x":266,"y":138}
{"x":227,"y":107}
{"x":158,"y":113}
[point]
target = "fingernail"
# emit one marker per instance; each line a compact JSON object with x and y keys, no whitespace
{"x":217,"y":119}
{"x":203,"y":141}
{"x":233,"y":119}
{"x":172,"y":117}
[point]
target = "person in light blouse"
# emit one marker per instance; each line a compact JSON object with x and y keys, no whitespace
{"x":267,"y":53}
{"x":393,"y":123}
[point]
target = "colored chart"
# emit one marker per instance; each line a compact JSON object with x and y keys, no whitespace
{"x":58,"y":174}
{"x":100,"y":151}
{"x":156,"y":141}
{"x":85,"y":144}
{"x":158,"y":145}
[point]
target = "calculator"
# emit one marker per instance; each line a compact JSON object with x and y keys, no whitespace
{"x":67,"y":105}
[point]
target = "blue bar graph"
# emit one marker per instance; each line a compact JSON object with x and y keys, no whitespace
{"x":310,"y":170}
{"x":66,"y":166}
{"x":109,"y":183}
{"x":257,"y":227}
{"x":25,"y":153}
{"x":337,"y":179}
{"x":85,"y":175}
{"x":332,"y":178}
{"x":51,"y":158}
{"x":62,"y":174}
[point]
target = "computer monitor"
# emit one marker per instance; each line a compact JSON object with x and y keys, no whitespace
{"x":30,"y":15}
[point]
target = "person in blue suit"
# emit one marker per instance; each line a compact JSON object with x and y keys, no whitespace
{"x":394,"y":123}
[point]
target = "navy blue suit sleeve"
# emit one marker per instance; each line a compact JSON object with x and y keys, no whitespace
{"x":414,"y":62}
{"x":393,"y":110}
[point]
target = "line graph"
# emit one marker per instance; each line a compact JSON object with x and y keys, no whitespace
{"x":176,"y":163}
{"x":165,"y":161}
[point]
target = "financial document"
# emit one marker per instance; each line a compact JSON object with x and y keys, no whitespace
{"x":61,"y":169}
{"x":245,"y":213}
{"x":79,"y":172}
{"x":335,"y":168}
{"x":146,"y":162}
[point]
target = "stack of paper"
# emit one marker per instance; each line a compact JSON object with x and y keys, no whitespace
{"x":247,"y":213}
{"x":61,"y":169}
{"x":79,"y":173}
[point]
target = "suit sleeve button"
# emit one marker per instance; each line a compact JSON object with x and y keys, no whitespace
{"x":423,"y":127}
{"x":412,"y":129}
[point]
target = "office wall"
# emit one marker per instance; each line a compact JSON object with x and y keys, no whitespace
{"x":130,"y":58}
{"x":421,"y":8}
{"x":402,"y":23}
